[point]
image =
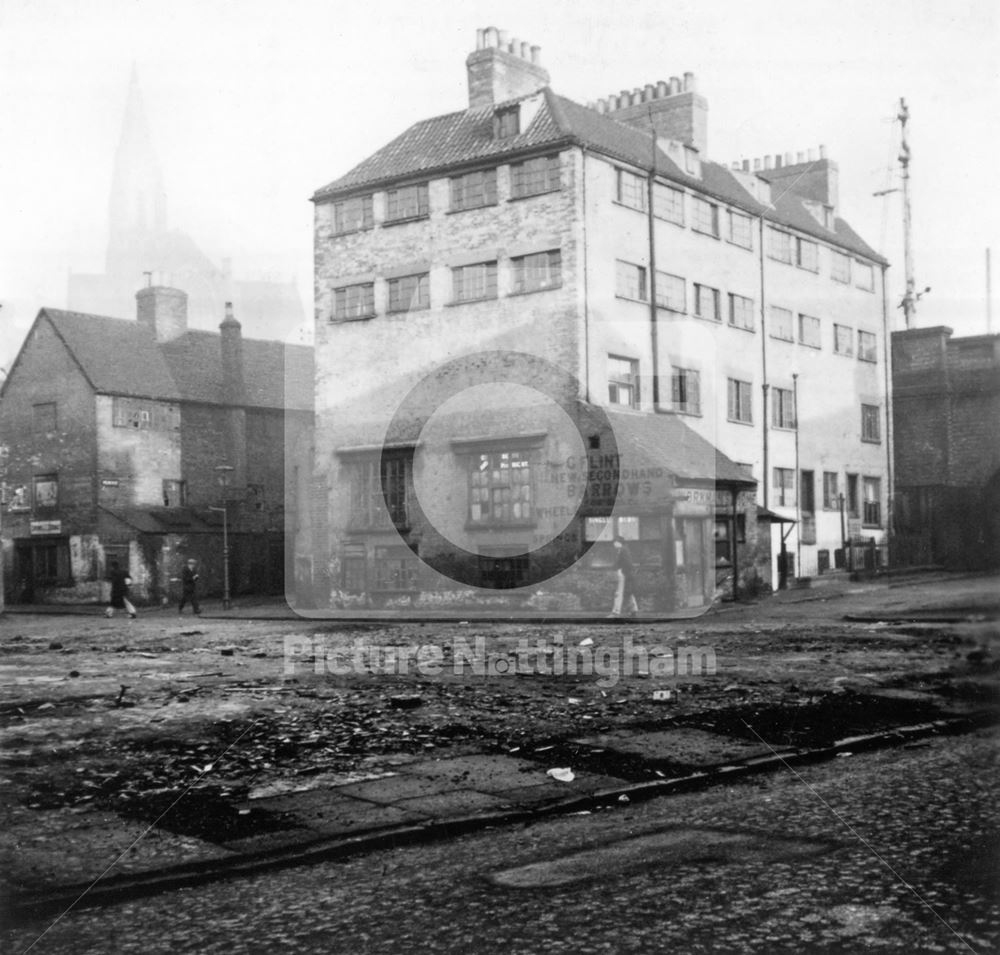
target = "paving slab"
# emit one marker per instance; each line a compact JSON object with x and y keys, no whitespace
{"x":328,"y":812}
{"x":693,"y":747}
{"x":483,"y":772}
{"x":391,"y":789}
{"x":455,"y":802}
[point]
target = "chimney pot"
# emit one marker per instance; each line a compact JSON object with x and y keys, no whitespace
{"x":494,"y":79}
{"x":746,"y":165}
{"x":788,"y":159}
{"x":689,"y":82}
{"x":777,"y":160}
{"x":767,"y":162}
{"x":503,"y":39}
{"x":662,"y":89}
{"x":480,"y":38}
{"x":822,"y":152}
{"x":648,"y":92}
{"x":536,"y":55}
{"x":675,"y":85}
{"x":800,"y":157}
{"x":492,"y":37}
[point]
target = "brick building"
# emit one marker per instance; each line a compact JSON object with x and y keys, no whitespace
{"x":946,"y":406}
{"x":706,"y":340}
{"x":119,"y":436}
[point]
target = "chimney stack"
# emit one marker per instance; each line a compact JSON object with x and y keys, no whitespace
{"x":163,"y":311}
{"x":502,"y":68}
{"x":676,"y":109}
{"x":231,"y":343}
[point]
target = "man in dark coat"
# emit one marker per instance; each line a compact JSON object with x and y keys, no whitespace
{"x":119,"y":591}
{"x":189,"y":587}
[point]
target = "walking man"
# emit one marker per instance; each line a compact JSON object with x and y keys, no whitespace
{"x":189,"y":587}
{"x":625,"y":593}
{"x":119,"y":592}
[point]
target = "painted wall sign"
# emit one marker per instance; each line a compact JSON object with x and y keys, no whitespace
{"x":46,"y":527}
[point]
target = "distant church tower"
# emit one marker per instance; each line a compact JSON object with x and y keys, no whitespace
{"x":139,"y":241}
{"x":138,"y":207}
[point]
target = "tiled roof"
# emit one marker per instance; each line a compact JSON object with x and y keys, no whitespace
{"x":118,"y":357}
{"x":456,"y":139}
{"x":121,"y":357}
{"x":664,"y":440}
{"x":275,"y":375}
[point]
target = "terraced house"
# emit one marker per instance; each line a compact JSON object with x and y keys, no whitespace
{"x":140,"y":441}
{"x":541,"y":323}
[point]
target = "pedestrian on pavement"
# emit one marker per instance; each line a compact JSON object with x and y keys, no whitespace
{"x":120,"y":582}
{"x":189,"y":587}
{"x":625,"y":592}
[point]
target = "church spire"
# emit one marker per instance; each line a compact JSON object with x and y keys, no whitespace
{"x":138,"y":200}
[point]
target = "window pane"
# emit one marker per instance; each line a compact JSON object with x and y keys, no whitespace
{"x":808,"y":255}
{"x":705,"y":217}
{"x":779,"y":245}
{"x":539,"y":271}
{"x":668,"y":203}
{"x":631,"y":190}
{"x":535,"y":176}
{"x":780,"y":322}
{"x":809,"y":331}
{"x":706,"y":303}
{"x":741,"y":230}
{"x":741,"y":312}
{"x":671,"y":292}
{"x":630,"y":281}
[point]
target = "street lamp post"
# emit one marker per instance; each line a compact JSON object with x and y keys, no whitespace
{"x":224,"y":470}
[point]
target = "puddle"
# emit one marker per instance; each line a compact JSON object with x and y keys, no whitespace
{"x":663,"y":849}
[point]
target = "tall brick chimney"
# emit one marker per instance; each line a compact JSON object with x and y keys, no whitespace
{"x":231,"y":343}
{"x":675,"y":109}
{"x":502,"y":68}
{"x":163,"y":311}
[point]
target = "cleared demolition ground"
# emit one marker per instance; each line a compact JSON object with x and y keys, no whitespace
{"x":165,"y":745}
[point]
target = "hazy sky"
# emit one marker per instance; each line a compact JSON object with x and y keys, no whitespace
{"x":254,"y":104}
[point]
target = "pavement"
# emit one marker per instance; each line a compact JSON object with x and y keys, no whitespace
{"x":81,"y":856}
{"x":826,"y":587}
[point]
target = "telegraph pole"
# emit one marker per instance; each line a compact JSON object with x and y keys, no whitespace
{"x":910,"y":297}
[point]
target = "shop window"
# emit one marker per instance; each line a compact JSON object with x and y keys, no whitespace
{"x":723,"y":536}
{"x":503,"y":572}
{"x":45,"y":562}
{"x":394,"y":568}
{"x":368,"y":501}
{"x":500,"y":490}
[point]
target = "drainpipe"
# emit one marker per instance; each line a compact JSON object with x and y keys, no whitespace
{"x":890,"y":517}
{"x":586,"y":291}
{"x":651,"y":221}
{"x":763,"y":359}
{"x":798,"y":479}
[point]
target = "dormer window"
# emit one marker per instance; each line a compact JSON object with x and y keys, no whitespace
{"x":507,"y":122}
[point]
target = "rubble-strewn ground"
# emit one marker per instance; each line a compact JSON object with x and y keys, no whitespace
{"x":120,"y":716}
